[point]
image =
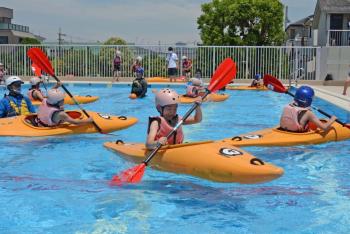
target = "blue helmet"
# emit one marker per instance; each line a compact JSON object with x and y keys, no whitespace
{"x":140,"y":70}
{"x":303,"y":96}
{"x":257,"y":76}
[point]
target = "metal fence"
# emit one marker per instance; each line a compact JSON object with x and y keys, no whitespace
{"x":338,"y":38}
{"x":97,"y":60}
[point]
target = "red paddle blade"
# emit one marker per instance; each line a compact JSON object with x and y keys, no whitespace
{"x":133,"y":175}
{"x":223,"y":75}
{"x":274,"y":84}
{"x":41,"y":60}
{"x":36,"y":70}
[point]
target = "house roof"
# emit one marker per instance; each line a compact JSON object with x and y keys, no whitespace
{"x":302,"y":22}
{"x":330,"y":6}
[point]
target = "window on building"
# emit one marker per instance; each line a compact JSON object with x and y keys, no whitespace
{"x":4,"y":40}
{"x":292,"y":33}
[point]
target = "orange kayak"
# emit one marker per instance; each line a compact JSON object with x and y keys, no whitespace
{"x":157,"y":79}
{"x":69,"y":101}
{"x":213,"y":97}
{"x":277,"y":137}
{"x":211,"y":160}
{"x":25,"y":125}
{"x":259,"y":88}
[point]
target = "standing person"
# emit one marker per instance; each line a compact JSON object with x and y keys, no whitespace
{"x":15,"y":103}
{"x":136,"y":64}
{"x":186,"y":67}
{"x":117,"y":61}
{"x":139,"y":85}
{"x":172,"y":64}
{"x":2,"y":73}
{"x":346,"y":83}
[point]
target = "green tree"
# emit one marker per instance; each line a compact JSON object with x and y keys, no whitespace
{"x":242,"y":22}
{"x":28,"y":40}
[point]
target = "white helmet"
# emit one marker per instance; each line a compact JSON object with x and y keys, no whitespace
{"x":166,"y":97}
{"x":118,"y":52}
{"x":12,"y":79}
{"x":183,"y":57}
{"x":54,"y":96}
{"x":139,"y":58}
{"x":34,"y":80}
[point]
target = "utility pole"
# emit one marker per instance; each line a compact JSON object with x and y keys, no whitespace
{"x":60,"y":35}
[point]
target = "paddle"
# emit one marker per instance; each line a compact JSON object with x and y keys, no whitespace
{"x":222,"y":76}
{"x":41,"y":60}
{"x":274,"y":84}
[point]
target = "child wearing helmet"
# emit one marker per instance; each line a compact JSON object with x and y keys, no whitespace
{"x":15,"y":103}
{"x":139,"y":85}
{"x":297,"y":115}
{"x":136,"y":64}
{"x":186,"y":67}
{"x":2,"y":73}
{"x":117,"y":61}
{"x":257,"y":81}
{"x":194,"y":88}
{"x":159,"y":127}
{"x":51,"y":111}
{"x":34,"y":92}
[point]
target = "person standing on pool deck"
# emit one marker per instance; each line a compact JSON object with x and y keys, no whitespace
{"x":172,"y":64}
{"x":186,"y":67}
{"x":15,"y":103}
{"x":117,"y":61}
{"x":159,"y":127}
{"x":2,"y":73}
{"x":136,"y":64}
{"x":346,"y":83}
{"x":297,"y":116}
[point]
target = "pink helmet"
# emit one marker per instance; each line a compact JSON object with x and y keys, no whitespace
{"x":196,"y":81}
{"x":34,"y":80}
{"x":54,"y":96}
{"x":166,"y":97}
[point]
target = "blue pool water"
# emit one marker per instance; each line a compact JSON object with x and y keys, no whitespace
{"x":60,"y":184}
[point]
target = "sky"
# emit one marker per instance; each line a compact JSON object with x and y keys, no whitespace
{"x":138,"y":21}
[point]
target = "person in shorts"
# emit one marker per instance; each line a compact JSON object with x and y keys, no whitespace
{"x":172,"y":64}
{"x":346,"y":83}
{"x":117,"y":61}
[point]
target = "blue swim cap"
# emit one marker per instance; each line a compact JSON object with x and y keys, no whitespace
{"x":139,"y":70}
{"x":303,"y":96}
{"x":257,"y":76}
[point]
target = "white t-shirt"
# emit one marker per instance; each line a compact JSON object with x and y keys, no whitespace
{"x":171,"y":59}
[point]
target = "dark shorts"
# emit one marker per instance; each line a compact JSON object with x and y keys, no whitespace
{"x":172,"y":71}
{"x":116,"y":67}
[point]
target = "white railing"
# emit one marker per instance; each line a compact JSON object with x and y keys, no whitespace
{"x":96,"y":60}
{"x":338,"y":38}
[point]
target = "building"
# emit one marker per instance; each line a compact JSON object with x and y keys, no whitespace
{"x":13,"y":33}
{"x":299,"y":33}
{"x":331,"y":26}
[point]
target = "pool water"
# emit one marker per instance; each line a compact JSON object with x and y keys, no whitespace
{"x":60,"y":184}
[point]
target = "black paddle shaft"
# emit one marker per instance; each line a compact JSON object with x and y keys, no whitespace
{"x":188,"y":113}
{"x":77,"y":103}
{"x":319,"y":110}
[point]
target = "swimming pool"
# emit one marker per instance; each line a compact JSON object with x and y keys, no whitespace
{"x":60,"y":184}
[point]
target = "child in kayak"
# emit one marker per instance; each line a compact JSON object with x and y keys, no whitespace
{"x":15,"y":103}
{"x":158,"y":127}
{"x":35,"y":93}
{"x":297,"y":115}
{"x":257,"y":81}
{"x":139,"y":85}
{"x":194,"y":88}
{"x":51,"y":111}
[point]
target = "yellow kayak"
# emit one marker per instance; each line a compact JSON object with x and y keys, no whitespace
{"x":259,"y":88}
{"x":158,"y":79}
{"x":213,"y":97}
{"x":211,"y":160}
{"x":68,"y":100}
{"x":277,"y":137}
{"x":25,"y":125}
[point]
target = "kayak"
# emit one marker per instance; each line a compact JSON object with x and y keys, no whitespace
{"x":25,"y":125}
{"x":69,"y":101}
{"x":213,"y":97}
{"x":260,"y":88}
{"x":157,"y":79}
{"x":278,"y":137}
{"x":211,"y":160}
